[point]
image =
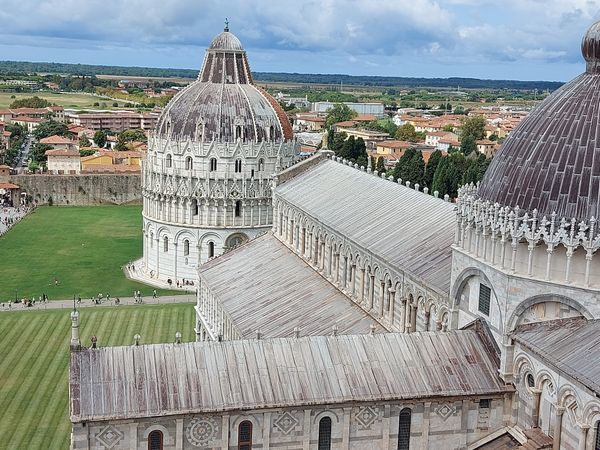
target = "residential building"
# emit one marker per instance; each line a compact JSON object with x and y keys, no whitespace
{"x":63,"y":161}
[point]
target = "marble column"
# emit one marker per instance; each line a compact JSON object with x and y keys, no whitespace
{"x":583,"y":432}
{"x":557,"y":427}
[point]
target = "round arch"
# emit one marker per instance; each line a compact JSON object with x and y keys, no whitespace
{"x":544,"y":298}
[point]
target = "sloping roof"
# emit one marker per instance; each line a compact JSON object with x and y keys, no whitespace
{"x":570,"y":345}
{"x":62,"y":152}
{"x":410,"y":230}
{"x":57,"y":140}
{"x":264,"y":286}
{"x":157,"y":380}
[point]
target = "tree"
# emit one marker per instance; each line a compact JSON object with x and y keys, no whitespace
{"x":406,"y":132}
{"x":38,"y":153}
{"x":100,"y":138}
{"x":432,"y":164}
{"x":468,"y":145}
{"x":448,"y":175}
{"x":380,"y":167}
{"x":84,"y":141}
{"x":473,"y":126}
{"x":352,"y":149}
{"x":339,"y":113}
{"x":30,"y":102}
{"x":373,"y":164}
{"x":410,"y":167}
{"x":51,"y":128}
{"x":476,"y":170}
{"x":86,"y":151}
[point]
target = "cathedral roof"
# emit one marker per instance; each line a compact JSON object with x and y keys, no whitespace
{"x":551,"y":161}
{"x":201,"y":377}
{"x":224,"y":104}
{"x":409,"y":229}
{"x":281,"y":282}
{"x":570,"y":345}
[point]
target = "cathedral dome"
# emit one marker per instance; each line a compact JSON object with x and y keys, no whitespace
{"x":551,"y":161}
{"x":224,"y":105}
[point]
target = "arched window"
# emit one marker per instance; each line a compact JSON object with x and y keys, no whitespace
{"x":155,"y":159}
{"x":325,"y":433}
{"x":213,"y":164}
{"x":189,"y":163}
{"x":155,"y":440}
{"x":404,"y":430}
{"x":530,"y":380}
{"x":238,"y":166}
{"x":238,"y":208}
{"x":261,"y":165}
{"x":245,"y":434}
{"x":169,"y":161}
{"x":186,"y":247}
{"x":165,"y":244}
{"x":597,"y":446}
{"x":211,"y":249}
{"x":271,"y":133}
{"x":252,"y":173}
{"x":194,"y":207}
{"x":238,"y":132}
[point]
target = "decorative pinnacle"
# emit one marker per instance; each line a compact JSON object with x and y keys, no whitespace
{"x":226,"y":24}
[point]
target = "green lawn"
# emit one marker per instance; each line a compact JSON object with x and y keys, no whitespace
{"x":82,"y":247}
{"x":34,"y":360}
{"x":68,"y":100}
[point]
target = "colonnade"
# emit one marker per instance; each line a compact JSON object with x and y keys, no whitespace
{"x":385,"y":295}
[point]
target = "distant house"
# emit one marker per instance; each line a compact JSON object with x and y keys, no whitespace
{"x":112,"y":162}
{"x":60,"y":143}
{"x":63,"y":161}
{"x":487,"y":147}
{"x":433,"y":137}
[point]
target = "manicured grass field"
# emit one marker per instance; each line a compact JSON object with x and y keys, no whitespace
{"x":34,"y":360}
{"x":82,"y":247}
{"x":68,"y":100}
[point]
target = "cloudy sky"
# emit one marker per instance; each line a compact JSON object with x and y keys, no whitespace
{"x":498,"y":39}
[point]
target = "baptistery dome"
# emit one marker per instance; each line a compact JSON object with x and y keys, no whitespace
{"x":223,"y":104}
{"x":206,"y":180}
{"x":551,"y":161}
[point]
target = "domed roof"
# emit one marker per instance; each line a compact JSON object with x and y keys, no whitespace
{"x":226,"y":41}
{"x":551,"y":161}
{"x":224,"y":104}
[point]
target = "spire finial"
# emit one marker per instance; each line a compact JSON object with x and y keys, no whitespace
{"x":226,"y":24}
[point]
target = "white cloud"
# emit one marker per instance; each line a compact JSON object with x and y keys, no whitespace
{"x":440,"y":31}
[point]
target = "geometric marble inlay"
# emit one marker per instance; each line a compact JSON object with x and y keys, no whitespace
{"x":286,"y":422}
{"x":109,"y":436}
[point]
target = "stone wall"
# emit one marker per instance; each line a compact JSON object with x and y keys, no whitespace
{"x":78,"y":190}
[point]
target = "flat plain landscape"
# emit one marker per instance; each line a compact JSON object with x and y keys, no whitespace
{"x":81,"y":248}
{"x":34,"y":360}
{"x":68,"y":100}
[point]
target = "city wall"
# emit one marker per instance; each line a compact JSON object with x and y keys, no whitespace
{"x":78,"y":190}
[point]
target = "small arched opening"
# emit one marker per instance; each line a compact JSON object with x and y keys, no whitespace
{"x":211,"y":249}
{"x":189,"y":163}
{"x":155,"y":440}
{"x":245,"y":435}
{"x":325,"y":433}
{"x":404,"y":429}
{"x":213,"y":164}
{"x":169,"y":161}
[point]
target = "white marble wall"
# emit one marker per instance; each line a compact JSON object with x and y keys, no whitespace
{"x":435,"y":424}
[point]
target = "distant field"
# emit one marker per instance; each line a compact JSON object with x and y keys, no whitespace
{"x":81,"y":247}
{"x":68,"y":100}
{"x":34,"y":359}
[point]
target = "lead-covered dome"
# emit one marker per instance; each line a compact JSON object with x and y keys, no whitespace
{"x":224,"y":104}
{"x":551,"y":161}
